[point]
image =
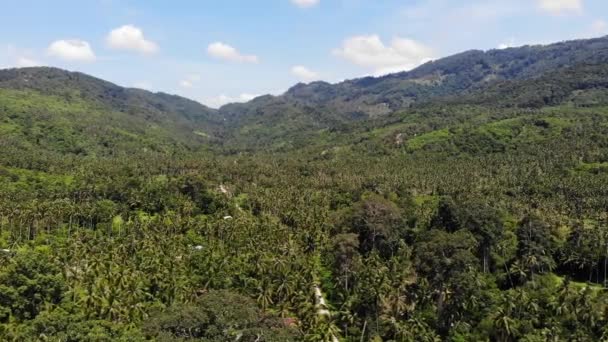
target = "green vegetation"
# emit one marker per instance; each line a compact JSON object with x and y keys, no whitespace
{"x":475,"y":212}
{"x":428,"y":139}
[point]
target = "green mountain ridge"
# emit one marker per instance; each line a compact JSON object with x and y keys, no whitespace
{"x":306,"y":111}
{"x":70,"y":112}
{"x":319,"y":105}
{"x":57,"y":82}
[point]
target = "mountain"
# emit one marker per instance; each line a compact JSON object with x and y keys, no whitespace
{"x":584,"y":84}
{"x":372,"y":96}
{"x":75,"y":113}
{"x":308,"y":108}
{"x":57,"y":82}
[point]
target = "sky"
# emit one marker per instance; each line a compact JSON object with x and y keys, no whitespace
{"x":220,"y":51}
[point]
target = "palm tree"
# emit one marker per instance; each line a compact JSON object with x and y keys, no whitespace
{"x":505,"y":322}
{"x":264,"y":296}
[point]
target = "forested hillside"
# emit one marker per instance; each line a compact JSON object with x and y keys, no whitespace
{"x":72,"y":113}
{"x":308,"y":108}
{"x":473,"y":208}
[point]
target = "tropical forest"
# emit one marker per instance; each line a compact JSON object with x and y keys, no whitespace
{"x":463,"y":200}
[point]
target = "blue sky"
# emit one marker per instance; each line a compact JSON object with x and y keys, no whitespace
{"x":230,"y":50}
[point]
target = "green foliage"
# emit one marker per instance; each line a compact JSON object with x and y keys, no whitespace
{"x":377,"y":209}
{"x":428,"y":139}
{"x":28,"y":284}
{"x":59,"y":325}
{"x":217,"y":316}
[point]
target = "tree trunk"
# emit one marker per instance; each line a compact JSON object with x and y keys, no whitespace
{"x":363,"y":331}
{"x":485,"y":259}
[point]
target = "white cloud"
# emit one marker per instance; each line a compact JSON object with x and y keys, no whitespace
{"x":73,"y":50}
{"x":142,"y":85}
{"x":304,"y":74}
{"x":24,"y":62}
{"x":305,"y":3}
{"x":18,"y":58}
{"x":370,"y":52}
{"x":130,"y":38}
{"x":561,"y":6}
{"x":226,"y":52}
{"x":189,"y":81}
{"x":508,"y":44}
{"x":186,"y":84}
{"x":218,"y":101}
{"x":599,"y":28}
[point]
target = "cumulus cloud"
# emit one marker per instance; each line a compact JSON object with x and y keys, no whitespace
{"x":218,"y":101}
{"x":305,"y":3}
{"x":561,"y":6}
{"x":142,"y":85}
{"x":18,"y":58}
{"x":226,"y":52}
{"x":508,"y":44}
{"x":25,"y":62}
{"x":370,"y":52}
{"x":130,"y":38}
{"x":189,"y":81}
{"x":304,"y":74}
{"x":73,"y":50}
